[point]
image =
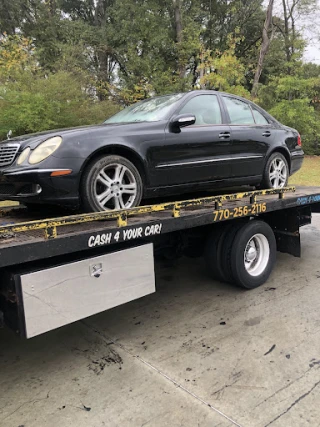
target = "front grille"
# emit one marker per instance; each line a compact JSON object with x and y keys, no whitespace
{"x":27,"y":189}
{"x":6,"y":190}
{"x":8,"y":153}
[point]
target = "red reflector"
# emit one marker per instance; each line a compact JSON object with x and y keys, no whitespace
{"x":299,"y":140}
{"x":61,"y":173}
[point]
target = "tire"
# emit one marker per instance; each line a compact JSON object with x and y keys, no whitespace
{"x":276,"y":172}
{"x":226,"y":249}
{"x":254,"y":239}
{"x":110,"y":183}
{"x":213,"y":251}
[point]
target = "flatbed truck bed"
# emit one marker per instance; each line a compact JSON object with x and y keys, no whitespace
{"x":58,"y":270}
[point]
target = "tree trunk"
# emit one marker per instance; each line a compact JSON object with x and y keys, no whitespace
{"x":178,"y":30}
{"x":286,"y":31}
{"x":101,"y":50}
{"x":52,"y":7}
{"x":264,"y":48}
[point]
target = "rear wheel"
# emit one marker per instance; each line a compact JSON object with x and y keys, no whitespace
{"x":213,"y":252}
{"x":276,"y":173}
{"x":243,"y":253}
{"x":111,"y":183}
{"x":253,"y":254}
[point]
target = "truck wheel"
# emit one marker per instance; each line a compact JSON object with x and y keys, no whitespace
{"x":226,"y":249}
{"x":253,"y":254}
{"x":110,"y":183}
{"x":213,"y":250}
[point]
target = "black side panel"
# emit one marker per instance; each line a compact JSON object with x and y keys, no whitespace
{"x":288,"y":243}
{"x":11,"y":302}
{"x":315,"y":207}
{"x":286,"y":225}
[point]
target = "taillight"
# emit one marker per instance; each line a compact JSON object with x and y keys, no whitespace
{"x":299,"y":140}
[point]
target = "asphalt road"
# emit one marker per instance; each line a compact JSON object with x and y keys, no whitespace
{"x":196,"y":353}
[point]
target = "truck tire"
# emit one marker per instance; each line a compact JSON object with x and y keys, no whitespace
{"x":213,"y":251}
{"x":252,"y":255}
{"x":226,"y":250}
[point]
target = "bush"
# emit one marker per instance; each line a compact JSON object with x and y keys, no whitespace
{"x":35,"y":103}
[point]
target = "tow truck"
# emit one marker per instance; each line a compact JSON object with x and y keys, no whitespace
{"x":59,"y":270}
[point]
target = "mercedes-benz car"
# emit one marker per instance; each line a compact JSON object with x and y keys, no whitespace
{"x":166,"y":145}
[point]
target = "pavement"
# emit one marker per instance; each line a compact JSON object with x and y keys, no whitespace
{"x":195,"y":353}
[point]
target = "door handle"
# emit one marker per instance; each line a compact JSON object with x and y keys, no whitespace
{"x":224,"y":135}
{"x":266,"y":133}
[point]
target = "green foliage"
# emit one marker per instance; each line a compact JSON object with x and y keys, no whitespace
{"x":224,"y":72}
{"x":55,"y":101}
{"x":72,"y":62}
{"x":302,"y":116}
{"x":292,"y":101}
{"x":16,"y":56}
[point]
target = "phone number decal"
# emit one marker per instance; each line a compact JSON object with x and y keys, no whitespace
{"x":240,"y":211}
{"x":124,"y":235}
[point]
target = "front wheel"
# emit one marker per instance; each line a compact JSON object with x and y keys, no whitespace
{"x":111,"y":183}
{"x":276,"y":173}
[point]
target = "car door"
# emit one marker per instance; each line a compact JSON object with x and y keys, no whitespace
{"x":197,"y":153}
{"x":251,"y":135}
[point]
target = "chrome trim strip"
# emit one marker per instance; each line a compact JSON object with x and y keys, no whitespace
{"x":34,"y":171}
{"x":186,"y":119}
{"x":193,"y":162}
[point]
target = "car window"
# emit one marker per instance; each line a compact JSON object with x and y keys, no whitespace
{"x":239,"y":112}
{"x":149,"y":110}
{"x":259,"y":118}
{"x":206,"y":108}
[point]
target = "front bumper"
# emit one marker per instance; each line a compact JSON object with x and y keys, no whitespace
{"x":38,"y":186}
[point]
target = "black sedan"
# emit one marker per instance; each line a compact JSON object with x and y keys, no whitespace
{"x":164,"y":145}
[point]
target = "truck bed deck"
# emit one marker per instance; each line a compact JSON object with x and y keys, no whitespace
{"x":25,"y":236}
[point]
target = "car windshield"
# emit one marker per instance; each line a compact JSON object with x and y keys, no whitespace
{"x":151,"y":110}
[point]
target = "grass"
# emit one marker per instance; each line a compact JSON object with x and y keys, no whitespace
{"x":309,"y":174}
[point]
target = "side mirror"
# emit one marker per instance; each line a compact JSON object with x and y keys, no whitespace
{"x":182,"y":121}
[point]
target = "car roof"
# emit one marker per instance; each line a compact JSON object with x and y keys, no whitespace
{"x":217,"y":92}
{"x":203,"y":92}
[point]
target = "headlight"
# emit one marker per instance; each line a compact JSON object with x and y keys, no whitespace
{"x":23,"y":156}
{"x":45,"y":150}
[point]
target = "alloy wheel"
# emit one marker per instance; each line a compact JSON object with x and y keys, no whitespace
{"x":278,"y":173}
{"x":115,"y":187}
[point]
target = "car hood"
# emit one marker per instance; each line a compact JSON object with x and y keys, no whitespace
{"x":33,"y":139}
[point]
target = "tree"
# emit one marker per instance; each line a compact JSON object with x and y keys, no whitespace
{"x":12,"y":15}
{"x":178,"y":31}
{"x":17,"y":56}
{"x":294,"y":11}
{"x":292,"y":100}
{"x":223,"y":71}
{"x":266,"y":40}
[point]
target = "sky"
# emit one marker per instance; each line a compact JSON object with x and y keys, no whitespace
{"x":312,"y":53}
{"x":310,"y":28}
{"x":311,"y":32}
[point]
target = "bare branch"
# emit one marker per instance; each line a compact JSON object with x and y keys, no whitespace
{"x":264,"y":47}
